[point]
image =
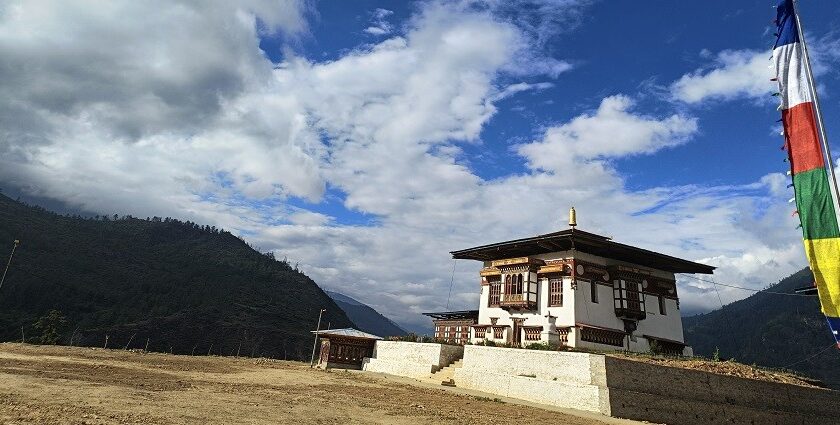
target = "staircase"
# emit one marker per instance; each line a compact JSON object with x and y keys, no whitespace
{"x":445,"y":375}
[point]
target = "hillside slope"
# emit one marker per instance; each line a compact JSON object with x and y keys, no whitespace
{"x":365,"y":317}
{"x":185,"y":287}
{"x":770,"y":330}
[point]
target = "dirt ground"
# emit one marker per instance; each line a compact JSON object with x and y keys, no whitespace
{"x":71,"y":385}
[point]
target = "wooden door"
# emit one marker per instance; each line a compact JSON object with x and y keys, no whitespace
{"x":517,"y":331}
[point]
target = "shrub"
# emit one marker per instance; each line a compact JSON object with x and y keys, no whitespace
{"x":543,"y":346}
{"x":656,"y":348}
{"x":412,"y":337}
{"x":50,"y":327}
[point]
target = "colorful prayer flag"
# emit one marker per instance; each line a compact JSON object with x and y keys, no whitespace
{"x":807,"y":161}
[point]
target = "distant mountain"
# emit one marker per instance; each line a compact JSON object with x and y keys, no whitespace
{"x":366,"y":318}
{"x":780,"y":331}
{"x":184,"y":287}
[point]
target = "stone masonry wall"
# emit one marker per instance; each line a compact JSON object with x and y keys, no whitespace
{"x":642,"y":391}
{"x":672,"y":395}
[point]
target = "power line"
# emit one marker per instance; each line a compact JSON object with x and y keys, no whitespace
{"x":833,"y":344}
{"x":743,"y":288}
{"x":451,"y":281}
{"x":3,"y":279}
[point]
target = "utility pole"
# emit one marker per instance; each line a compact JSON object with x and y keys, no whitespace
{"x":3,"y":279}
{"x":315,"y":344}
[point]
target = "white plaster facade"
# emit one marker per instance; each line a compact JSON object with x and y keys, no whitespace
{"x":580,"y":315}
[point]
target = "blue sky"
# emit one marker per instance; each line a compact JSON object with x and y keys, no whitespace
{"x":367,"y":139}
{"x":618,"y":47}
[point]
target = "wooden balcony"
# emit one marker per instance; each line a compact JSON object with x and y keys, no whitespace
{"x":629,"y":301}
{"x":630,"y":313}
{"x":517,"y":302}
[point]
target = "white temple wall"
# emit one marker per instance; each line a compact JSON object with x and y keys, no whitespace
{"x":602,"y":313}
{"x":668,"y":326}
{"x":578,"y":308}
{"x":565,"y":315}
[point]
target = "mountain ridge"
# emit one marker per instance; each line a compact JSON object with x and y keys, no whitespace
{"x":366,"y":318}
{"x":772,"y":328}
{"x":183,"y":287}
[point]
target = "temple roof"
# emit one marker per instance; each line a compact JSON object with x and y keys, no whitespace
{"x":590,"y":243}
{"x":347,"y":332}
{"x":454,"y":315}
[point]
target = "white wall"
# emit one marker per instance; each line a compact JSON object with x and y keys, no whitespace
{"x":579,"y":308}
{"x":668,"y":326}
{"x":566,"y":314}
{"x":568,"y":380}
{"x":411,"y":359}
{"x":601,"y":313}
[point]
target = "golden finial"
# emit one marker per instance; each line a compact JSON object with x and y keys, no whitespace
{"x":572,"y":218}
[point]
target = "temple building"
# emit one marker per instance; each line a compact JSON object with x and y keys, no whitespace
{"x":579,"y":289}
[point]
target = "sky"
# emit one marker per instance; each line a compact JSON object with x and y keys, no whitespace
{"x":366,"y":140}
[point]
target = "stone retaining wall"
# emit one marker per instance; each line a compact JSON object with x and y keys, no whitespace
{"x":673,"y":395}
{"x":641,"y":391}
{"x":411,"y":359}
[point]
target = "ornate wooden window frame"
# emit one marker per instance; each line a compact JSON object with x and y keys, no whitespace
{"x":555,"y":291}
{"x":494,"y":298}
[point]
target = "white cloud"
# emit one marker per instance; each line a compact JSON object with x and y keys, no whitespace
{"x":380,"y":24}
{"x":612,"y":131}
{"x":734,"y":74}
{"x":746,"y":74}
{"x":116,"y":119}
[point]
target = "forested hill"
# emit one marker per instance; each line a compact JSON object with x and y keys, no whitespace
{"x":770,"y":330}
{"x":184,"y":287}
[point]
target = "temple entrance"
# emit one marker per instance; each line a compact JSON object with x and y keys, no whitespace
{"x":517,"y":332}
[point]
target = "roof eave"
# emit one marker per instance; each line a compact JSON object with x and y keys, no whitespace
{"x":680,"y":265}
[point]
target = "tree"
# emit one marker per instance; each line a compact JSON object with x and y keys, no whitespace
{"x":50,"y":326}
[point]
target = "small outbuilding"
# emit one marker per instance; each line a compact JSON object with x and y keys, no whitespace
{"x":454,"y":326}
{"x":345,"y":348}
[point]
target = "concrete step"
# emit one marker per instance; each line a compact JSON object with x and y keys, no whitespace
{"x":446,"y":375}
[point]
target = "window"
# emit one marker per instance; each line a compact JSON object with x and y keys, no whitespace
{"x":495,"y":292}
{"x":498,"y":332}
{"x":662,"y":306}
{"x":594,"y":289}
{"x":555,"y":292}
{"x":513,"y":284}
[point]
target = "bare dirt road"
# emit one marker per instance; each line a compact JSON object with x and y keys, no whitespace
{"x":67,"y":385}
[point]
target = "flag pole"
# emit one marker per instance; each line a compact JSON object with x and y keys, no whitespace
{"x":817,"y":109}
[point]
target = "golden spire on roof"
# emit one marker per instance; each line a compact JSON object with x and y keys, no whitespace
{"x":572,"y":217}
